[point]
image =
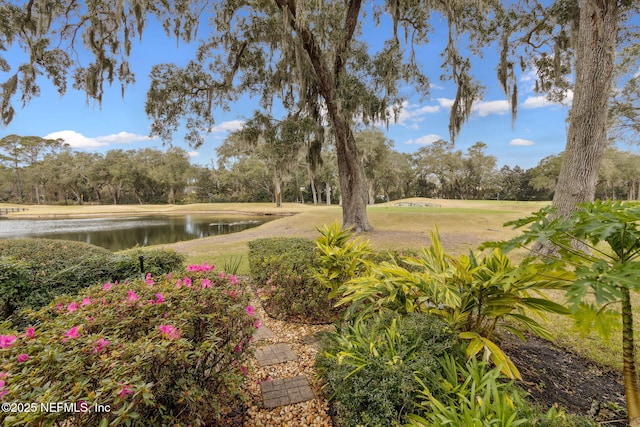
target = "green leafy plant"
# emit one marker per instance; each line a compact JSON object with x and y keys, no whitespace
{"x":599,"y":246}
{"x":472,"y":394}
{"x":369,"y":365}
{"x":341,"y":256}
{"x":160,"y":351}
{"x":471,"y":293}
{"x":232,"y":265}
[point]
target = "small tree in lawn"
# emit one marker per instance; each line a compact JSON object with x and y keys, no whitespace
{"x":600,"y":244}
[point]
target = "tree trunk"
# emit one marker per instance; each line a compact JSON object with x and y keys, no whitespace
{"x":586,"y":137}
{"x":353,"y":185}
{"x":630,"y":372}
{"x":312,"y":180}
{"x":372,"y":192}
{"x":277,"y":190}
{"x":327,"y":187}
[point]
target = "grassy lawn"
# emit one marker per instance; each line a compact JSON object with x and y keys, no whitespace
{"x":463,"y":225}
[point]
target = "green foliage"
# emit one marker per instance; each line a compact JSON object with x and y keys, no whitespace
{"x":126,"y":264}
{"x":161,"y":351}
{"x":13,"y":283}
{"x":232,"y":265}
{"x":471,"y":394}
{"x":341,"y":256}
{"x":56,"y":267}
{"x":598,"y":245}
{"x":282,"y":269}
{"x":369,"y":365}
{"x":471,"y":294}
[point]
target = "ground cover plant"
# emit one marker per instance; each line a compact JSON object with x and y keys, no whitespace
{"x":370,"y":365}
{"x":54,"y":267}
{"x":165,"y":350}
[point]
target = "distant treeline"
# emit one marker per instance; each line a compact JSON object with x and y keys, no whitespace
{"x":34,"y":170}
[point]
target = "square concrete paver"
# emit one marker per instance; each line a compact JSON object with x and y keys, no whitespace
{"x":275,"y":353}
{"x":263,"y":333}
{"x":285,"y":391}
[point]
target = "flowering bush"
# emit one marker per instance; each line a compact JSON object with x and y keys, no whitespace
{"x":160,"y":351}
{"x":56,"y":267}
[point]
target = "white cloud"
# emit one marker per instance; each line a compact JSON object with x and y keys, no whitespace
{"x":520,"y":142}
{"x":492,"y":107}
{"x":411,"y":114}
{"x":425,"y":140}
{"x":193,"y":154}
{"x":228,"y":126}
{"x":445,"y":102}
{"x":78,"y":140}
{"x":123,"y":138}
{"x":541,"y":101}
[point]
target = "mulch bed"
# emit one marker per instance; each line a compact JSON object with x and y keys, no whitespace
{"x":554,"y":376}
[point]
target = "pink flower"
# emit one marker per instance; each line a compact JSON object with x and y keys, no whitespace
{"x":222,"y":275}
{"x":257,"y":324}
{"x":100,"y":345}
{"x":149,"y":280}
{"x":2,"y":390}
{"x":86,"y":301}
{"x":23,"y":357}
{"x":31,"y":332}
{"x":71,"y":333}
{"x":233,"y":280}
{"x":233,"y":294}
{"x":250,"y":310}
{"x":72,"y":307}
{"x":132,"y":296}
{"x":169,"y":331}
{"x":178,"y":283}
{"x":159,"y":298}
{"x":7,"y":340}
{"x":106,"y":286}
{"x":243,"y":369}
{"x":187,"y":282}
{"x":59,"y":306}
{"x":206,"y":283}
{"x":126,"y":389}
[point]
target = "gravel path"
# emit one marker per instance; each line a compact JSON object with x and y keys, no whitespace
{"x":312,"y":413}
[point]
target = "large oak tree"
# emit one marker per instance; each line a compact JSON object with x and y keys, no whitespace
{"x":308,"y":56}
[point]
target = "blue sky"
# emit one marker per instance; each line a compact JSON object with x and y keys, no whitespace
{"x":120,"y":123}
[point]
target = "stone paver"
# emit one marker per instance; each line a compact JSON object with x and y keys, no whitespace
{"x":275,"y":353}
{"x":286,"y":391}
{"x":263,"y":333}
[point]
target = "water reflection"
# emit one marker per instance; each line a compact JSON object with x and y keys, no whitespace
{"x":119,"y":233}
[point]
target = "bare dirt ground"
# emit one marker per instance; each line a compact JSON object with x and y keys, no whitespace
{"x":554,"y":376}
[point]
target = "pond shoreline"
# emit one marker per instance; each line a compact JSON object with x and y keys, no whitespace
{"x":145,"y":213}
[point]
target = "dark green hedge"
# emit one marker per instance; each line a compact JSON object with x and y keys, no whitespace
{"x":282,"y":270}
{"x":38,"y":270}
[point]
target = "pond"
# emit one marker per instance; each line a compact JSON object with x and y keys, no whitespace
{"x":117,"y":233}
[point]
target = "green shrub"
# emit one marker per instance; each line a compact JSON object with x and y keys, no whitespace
{"x":369,"y":365}
{"x":126,"y":264}
{"x":283,"y":271}
{"x":56,"y":267}
{"x":13,"y":281}
{"x":160,"y":351}
{"x":471,"y":293}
